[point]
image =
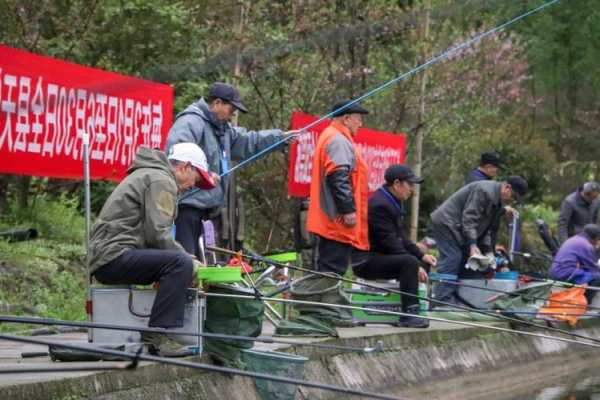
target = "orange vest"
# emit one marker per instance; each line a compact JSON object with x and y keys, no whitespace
{"x":336,"y":148}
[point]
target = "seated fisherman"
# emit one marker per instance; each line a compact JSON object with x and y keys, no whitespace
{"x":132,"y":240}
{"x":392,"y":256}
{"x":577,"y":260}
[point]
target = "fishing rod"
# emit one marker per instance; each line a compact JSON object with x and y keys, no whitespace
{"x":563,"y":284}
{"x":216,"y":336}
{"x":440,"y":57}
{"x":515,"y":293}
{"x":199,"y":366}
{"x":427,"y":317}
{"x":397,"y":291}
{"x":80,"y":368}
{"x":542,"y":313}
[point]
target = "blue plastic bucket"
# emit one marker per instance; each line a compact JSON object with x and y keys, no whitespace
{"x":509,"y":276}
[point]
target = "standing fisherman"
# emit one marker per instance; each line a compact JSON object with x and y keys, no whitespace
{"x":489,"y":168}
{"x":577,"y":210}
{"x":206,"y":123}
{"x":337,"y":213}
{"x":465,"y":225}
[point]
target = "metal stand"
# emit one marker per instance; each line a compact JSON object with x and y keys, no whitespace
{"x":88,"y":222}
{"x":513,"y":237}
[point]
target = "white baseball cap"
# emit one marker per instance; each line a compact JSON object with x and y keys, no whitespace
{"x":192,"y":153}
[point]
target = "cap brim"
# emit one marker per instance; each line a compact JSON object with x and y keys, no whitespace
{"x":239,"y":106}
{"x":416,"y":179}
{"x":207,"y":181}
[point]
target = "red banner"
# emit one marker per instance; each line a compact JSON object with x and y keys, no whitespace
{"x":379,"y":149}
{"x":48,"y":107}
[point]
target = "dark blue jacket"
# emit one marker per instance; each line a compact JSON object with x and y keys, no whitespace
{"x":386,"y":235}
{"x":475,"y":175}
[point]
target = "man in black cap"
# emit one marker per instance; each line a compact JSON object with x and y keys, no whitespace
{"x":466,"y":224}
{"x":207,"y":123}
{"x":392,"y":255}
{"x":337,"y":212}
{"x":489,"y":168}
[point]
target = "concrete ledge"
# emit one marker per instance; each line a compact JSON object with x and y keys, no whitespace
{"x":413,"y":360}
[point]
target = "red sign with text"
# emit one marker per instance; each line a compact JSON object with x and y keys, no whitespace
{"x":48,"y":107}
{"x":379,"y":150}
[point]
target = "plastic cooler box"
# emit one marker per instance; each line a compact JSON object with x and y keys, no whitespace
{"x":121,"y":305}
{"x":363,"y":296}
{"x":502,"y":282}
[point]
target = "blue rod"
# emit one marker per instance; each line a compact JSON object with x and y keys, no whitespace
{"x":397,"y":79}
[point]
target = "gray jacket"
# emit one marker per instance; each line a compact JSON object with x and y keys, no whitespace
{"x":472,"y":214}
{"x":221,"y":143}
{"x":575,"y":213}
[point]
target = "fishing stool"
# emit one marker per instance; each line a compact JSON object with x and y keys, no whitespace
{"x":131,"y":305}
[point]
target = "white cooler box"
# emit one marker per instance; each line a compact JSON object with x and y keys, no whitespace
{"x":477,"y":297}
{"x":113,"y":306}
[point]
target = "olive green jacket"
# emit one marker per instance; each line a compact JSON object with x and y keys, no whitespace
{"x":139,"y":213}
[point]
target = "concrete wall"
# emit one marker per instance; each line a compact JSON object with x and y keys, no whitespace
{"x":466,"y":363}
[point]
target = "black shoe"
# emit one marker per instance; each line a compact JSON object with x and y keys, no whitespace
{"x":412,"y":321}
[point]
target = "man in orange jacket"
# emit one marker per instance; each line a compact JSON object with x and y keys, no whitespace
{"x":337,"y":213}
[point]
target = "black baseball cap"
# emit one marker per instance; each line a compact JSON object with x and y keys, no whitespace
{"x":355,"y":108}
{"x":519,"y":185}
{"x":228,"y":93}
{"x":493,"y":158}
{"x":402,"y":173}
{"x":592,"y":231}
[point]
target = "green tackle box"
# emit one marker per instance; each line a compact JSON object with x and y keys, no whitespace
{"x":362,"y":296}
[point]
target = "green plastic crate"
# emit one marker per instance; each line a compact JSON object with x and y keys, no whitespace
{"x":220,"y":275}
{"x":388,"y":302}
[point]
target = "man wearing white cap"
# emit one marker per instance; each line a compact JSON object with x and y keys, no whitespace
{"x":132,"y":240}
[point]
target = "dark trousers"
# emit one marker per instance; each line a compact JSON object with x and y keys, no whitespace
{"x":171,"y":268}
{"x":451,"y":261}
{"x":590,"y":294}
{"x":403,"y":267}
{"x":189,"y":229}
{"x":333,"y":256}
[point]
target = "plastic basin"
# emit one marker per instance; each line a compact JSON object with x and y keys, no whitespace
{"x":220,"y":275}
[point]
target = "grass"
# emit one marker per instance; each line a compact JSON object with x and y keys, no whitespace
{"x":44,"y":277}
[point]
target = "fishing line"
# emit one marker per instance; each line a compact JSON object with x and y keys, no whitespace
{"x":383,"y":311}
{"x":200,"y":366}
{"x":397,"y":79}
{"x":396,"y":291}
{"x":563,"y":284}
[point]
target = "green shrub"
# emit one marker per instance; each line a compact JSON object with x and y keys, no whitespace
{"x":54,"y":218}
{"x":539,"y":211}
